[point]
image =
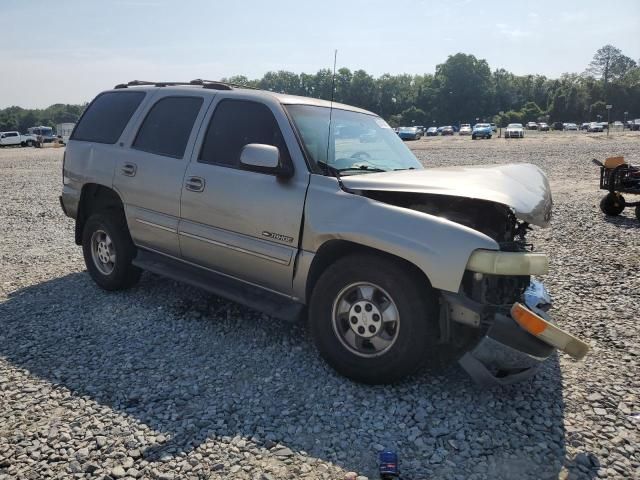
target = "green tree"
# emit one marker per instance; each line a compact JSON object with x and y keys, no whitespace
{"x":465,"y":88}
{"x":609,"y":64}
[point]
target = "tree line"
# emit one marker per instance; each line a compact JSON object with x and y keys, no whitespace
{"x":461,"y":90}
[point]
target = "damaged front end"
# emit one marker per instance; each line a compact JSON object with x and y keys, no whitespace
{"x":476,"y":323}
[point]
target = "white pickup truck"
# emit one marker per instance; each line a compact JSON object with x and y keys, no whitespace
{"x":15,"y":138}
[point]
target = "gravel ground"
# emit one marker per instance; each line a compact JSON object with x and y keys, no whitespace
{"x":165,"y":381}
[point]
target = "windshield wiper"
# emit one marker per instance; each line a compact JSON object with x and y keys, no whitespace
{"x":366,"y":168}
{"x":399,"y":169}
{"x":329,"y":169}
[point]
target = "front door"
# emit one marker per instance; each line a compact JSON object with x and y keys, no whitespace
{"x":236,"y":221}
{"x":149,"y":175}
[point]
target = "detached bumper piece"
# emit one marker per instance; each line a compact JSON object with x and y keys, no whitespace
{"x":517,"y":341}
{"x":506,"y":354}
{"x":548,"y":332}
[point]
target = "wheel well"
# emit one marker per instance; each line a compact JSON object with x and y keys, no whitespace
{"x":333,"y":250}
{"x":94,"y":198}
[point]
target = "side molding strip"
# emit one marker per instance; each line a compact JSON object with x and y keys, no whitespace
{"x":233,"y":247}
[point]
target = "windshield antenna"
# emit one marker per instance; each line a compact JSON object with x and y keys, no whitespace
{"x":333,"y":90}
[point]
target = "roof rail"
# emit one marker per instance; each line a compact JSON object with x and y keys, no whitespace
{"x":210,"y":84}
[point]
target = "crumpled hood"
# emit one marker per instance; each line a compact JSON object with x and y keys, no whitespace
{"x":523,"y":187}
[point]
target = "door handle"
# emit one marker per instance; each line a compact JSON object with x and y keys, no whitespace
{"x":129,"y":169}
{"x":194,"y":184}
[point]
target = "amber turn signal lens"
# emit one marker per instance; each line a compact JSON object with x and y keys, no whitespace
{"x":548,"y":332}
{"x":528,"y":320}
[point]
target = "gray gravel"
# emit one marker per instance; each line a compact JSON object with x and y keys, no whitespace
{"x":165,"y":381}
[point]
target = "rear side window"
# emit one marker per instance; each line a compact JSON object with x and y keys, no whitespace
{"x":105,"y":119}
{"x":236,"y":123}
{"x":166,"y":129}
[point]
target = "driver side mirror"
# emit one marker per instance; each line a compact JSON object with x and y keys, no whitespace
{"x":264,"y":158}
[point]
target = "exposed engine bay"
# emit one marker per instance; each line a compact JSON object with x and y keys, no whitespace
{"x":494,"y":220}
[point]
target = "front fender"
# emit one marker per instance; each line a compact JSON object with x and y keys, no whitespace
{"x":438,"y":247}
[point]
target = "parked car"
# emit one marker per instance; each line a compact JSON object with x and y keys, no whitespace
{"x":9,"y":139}
{"x":28,"y":140}
{"x":618,"y":124}
{"x":494,"y":127}
{"x":604,"y":125}
{"x":481,"y":130}
{"x":14,"y":138}
{"x":514,"y":130}
{"x":409,"y":133}
{"x":594,"y":127}
{"x":465,"y":129}
{"x":558,"y":126}
{"x":422,"y":129}
{"x":532,"y":126}
{"x":432,"y":132}
{"x":448,"y":130}
{"x":570,"y":126}
{"x":584,"y":126}
{"x":635,"y":125}
{"x":543,"y":127}
{"x":245,"y":193}
{"x":439,"y":130}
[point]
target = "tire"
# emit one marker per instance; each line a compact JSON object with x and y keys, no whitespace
{"x":638,"y":212}
{"x":489,"y":137}
{"x":473,"y":137}
{"x":612,"y":204}
{"x":119,"y":273}
{"x":414,"y":336}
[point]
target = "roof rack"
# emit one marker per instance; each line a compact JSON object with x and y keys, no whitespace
{"x":210,"y":84}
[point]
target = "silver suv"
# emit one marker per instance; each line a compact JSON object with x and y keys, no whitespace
{"x":302,"y":208}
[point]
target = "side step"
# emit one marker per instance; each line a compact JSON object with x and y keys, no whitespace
{"x":252,"y":296}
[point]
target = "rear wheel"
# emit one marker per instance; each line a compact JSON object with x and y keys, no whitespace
{"x":373,"y":321}
{"x":108,"y":251}
{"x":612,"y":204}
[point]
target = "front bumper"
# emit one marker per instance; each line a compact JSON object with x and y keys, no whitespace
{"x":506,"y":353}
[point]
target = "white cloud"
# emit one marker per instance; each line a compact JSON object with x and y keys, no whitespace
{"x":513,"y":33}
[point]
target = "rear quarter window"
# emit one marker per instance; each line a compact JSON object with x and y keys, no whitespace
{"x":105,"y":118}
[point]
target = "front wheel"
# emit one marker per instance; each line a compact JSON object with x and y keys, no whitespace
{"x":612,"y":204}
{"x":108,"y":251}
{"x":372,"y":320}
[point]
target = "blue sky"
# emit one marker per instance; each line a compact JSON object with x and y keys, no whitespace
{"x":69,"y":50}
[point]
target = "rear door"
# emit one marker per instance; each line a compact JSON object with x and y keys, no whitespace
{"x":150,"y":169}
{"x":237,"y":221}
